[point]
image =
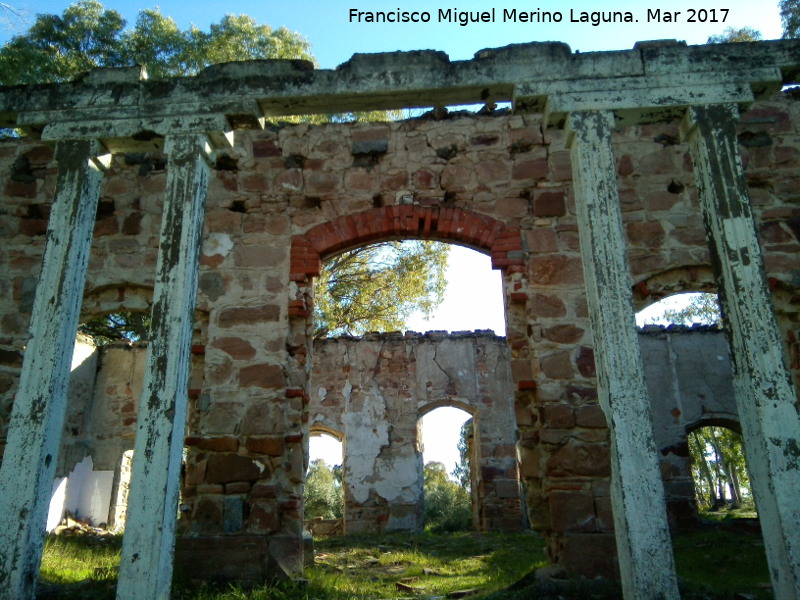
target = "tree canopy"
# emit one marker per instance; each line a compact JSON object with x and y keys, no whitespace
{"x":697,"y":308}
{"x":324,"y":495}
{"x":115,"y":327}
{"x":376,"y":288}
{"x":719,"y":468}
{"x":448,"y":505}
{"x":59,"y":47}
{"x":790,"y":17}
{"x":731,"y":34}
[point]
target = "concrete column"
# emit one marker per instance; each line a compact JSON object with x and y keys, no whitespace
{"x":765,"y":397}
{"x":637,"y":494}
{"x":149,"y":541}
{"x":34,"y":433}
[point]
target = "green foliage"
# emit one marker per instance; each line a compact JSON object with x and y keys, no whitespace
{"x":699,"y":308}
{"x":324,"y":496}
{"x":448,"y":505}
{"x":731,"y":34}
{"x":719,"y":469}
{"x":58,"y":48}
{"x":115,"y":327}
{"x":790,"y":16}
{"x":377,"y":288}
{"x":462,"y":471}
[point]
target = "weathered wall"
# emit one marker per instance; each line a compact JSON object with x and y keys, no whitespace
{"x":375,"y":390}
{"x":690,"y":384}
{"x":283,"y":198}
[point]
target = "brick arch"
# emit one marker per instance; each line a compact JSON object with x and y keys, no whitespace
{"x":502,"y":242}
{"x":120,"y":297}
{"x":688,"y":278}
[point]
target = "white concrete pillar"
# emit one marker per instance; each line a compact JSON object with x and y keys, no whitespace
{"x":37,"y":419}
{"x":643,"y":539}
{"x":149,"y":541}
{"x":766,"y":400}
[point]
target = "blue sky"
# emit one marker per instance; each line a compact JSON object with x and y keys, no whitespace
{"x":335,"y":38}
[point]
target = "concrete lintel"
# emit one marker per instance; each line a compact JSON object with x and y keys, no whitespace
{"x":34,"y":435}
{"x":139,"y":135}
{"x":765,"y":396}
{"x":641,"y":100}
{"x":386,"y":81}
{"x":637,"y":494}
{"x":148,"y":545}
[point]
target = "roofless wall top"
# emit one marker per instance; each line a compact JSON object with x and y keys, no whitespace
{"x":653,"y":82}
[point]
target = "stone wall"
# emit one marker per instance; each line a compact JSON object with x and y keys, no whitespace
{"x":374,"y":391}
{"x":284,"y":198}
{"x":371,"y":392}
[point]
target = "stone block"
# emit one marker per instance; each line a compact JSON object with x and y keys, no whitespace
{"x":585,"y":362}
{"x":270,"y":446}
{"x":579,"y":459}
{"x":558,"y":366}
{"x":547,"y":306}
{"x":227,"y":467}
{"x":590,"y":555}
{"x":549,"y":204}
{"x":591,"y":416}
{"x":236,"y":348}
{"x":531,"y":169}
{"x":572,"y":512}
{"x":559,"y":416}
{"x":263,"y":376}
{"x":563,"y":334}
{"x":248,"y":315}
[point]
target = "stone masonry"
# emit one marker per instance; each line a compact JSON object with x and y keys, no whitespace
{"x":617,"y":178}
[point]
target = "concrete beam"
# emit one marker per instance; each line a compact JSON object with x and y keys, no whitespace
{"x":766,"y":400}
{"x":651,"y":99}
{"x":643,"y":540}
{"x":34,"y":435}
{"x":149,"y":541}
{"x":248,"y":91}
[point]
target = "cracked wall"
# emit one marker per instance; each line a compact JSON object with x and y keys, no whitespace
{"x":374,"y":390}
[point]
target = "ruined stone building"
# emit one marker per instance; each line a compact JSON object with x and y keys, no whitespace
{"x":614,"y":179}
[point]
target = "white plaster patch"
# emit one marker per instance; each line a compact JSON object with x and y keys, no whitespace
{"x":367,"y":432}
{"x":57,"y":499}
{"x":218,"y":243}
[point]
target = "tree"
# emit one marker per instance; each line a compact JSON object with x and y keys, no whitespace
{"x":115,"y":327}
{"x":694,"y":308}
{"x":448,"y":506}
{"x":462,"y":472}
{"x":376,"y":288}
{"x":719,"y":468}
{"x":731,"y":34}
{"x":324,"y":496}
{"x":58,"y":48}
{"x":790,"y":16}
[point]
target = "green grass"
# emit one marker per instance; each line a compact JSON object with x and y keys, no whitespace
{"x":712,"y":565}
{"x":722,"y":563}
{"x":79,"y":567}
{"x":430,"y":565}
